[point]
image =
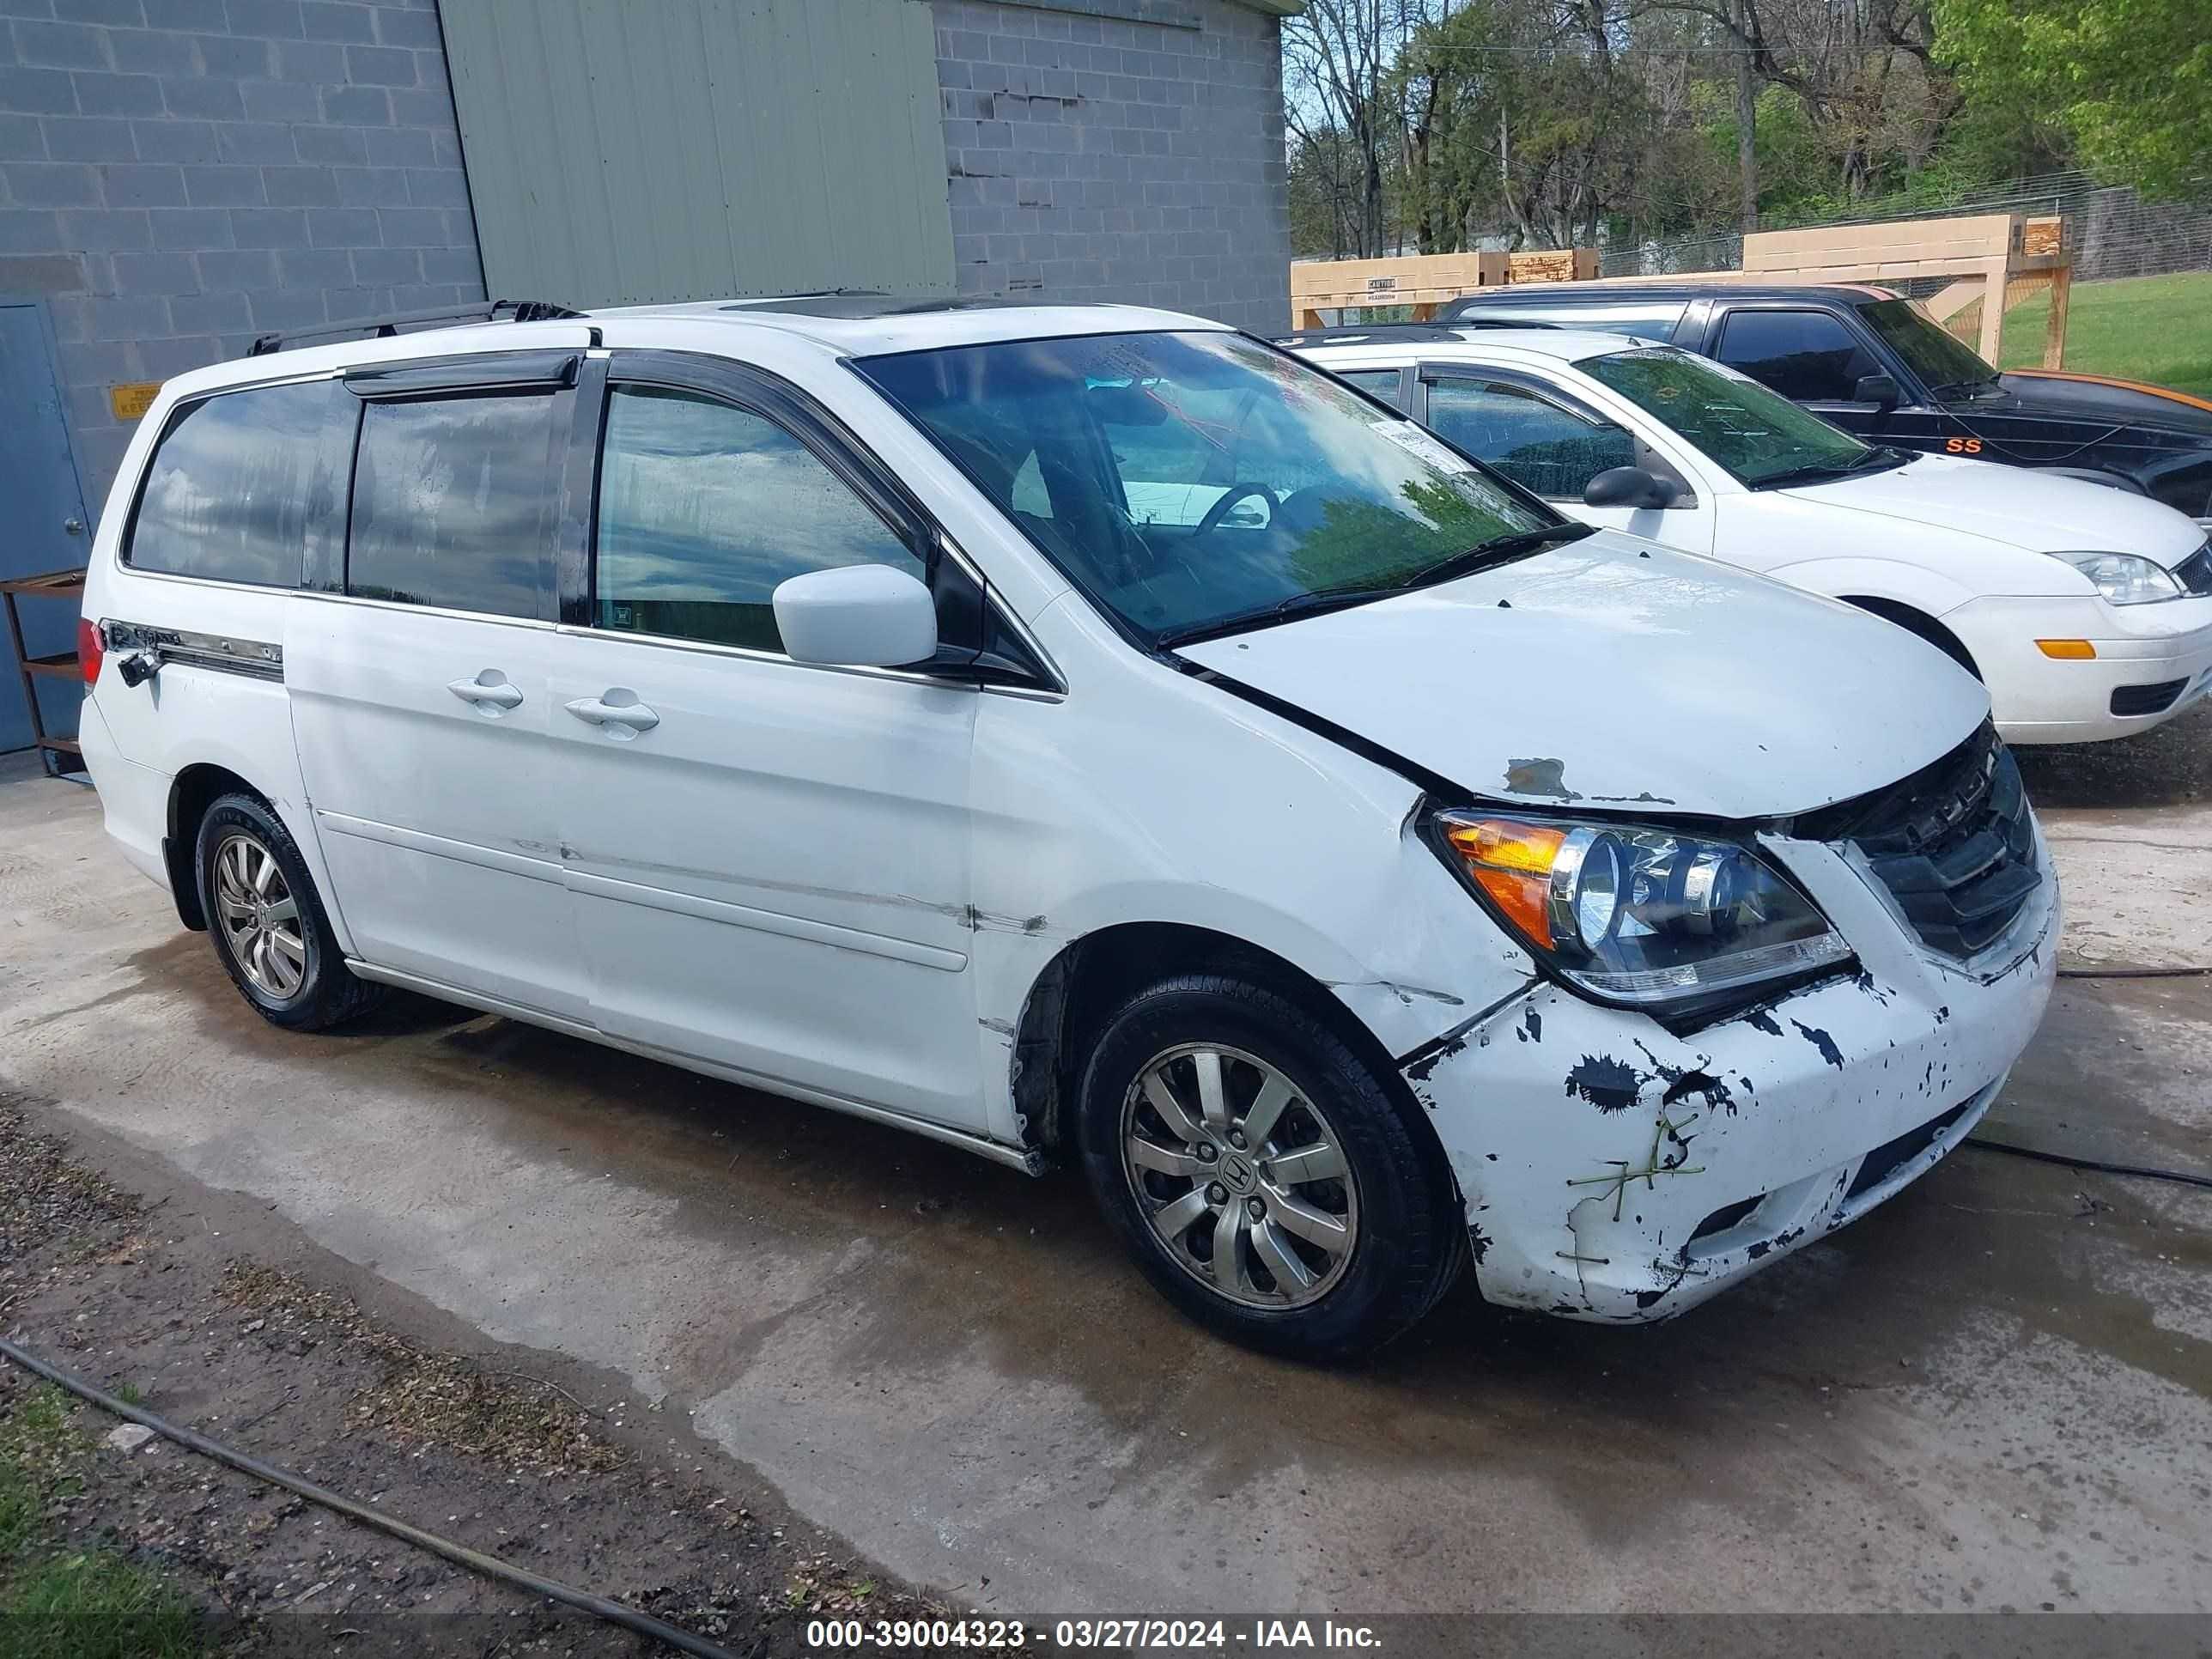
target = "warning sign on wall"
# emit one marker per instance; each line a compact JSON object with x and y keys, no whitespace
{"x":132,"y":398}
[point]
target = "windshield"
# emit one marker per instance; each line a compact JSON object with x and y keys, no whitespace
{"x":1188,"y":481}
{"x":1945,"y":363}
{"x":1759,"y":437}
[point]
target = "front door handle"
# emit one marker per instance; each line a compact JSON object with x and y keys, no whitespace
{"x":499,"y":693}
{"x":632,"y":714}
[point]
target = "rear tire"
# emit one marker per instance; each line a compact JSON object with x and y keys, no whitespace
{"x":1267,"y":1183}
{"x":270,"y":930}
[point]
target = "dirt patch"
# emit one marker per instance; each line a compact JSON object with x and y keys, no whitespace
{"x":43,"y":1195}
{"x":147,"y":1301}
{"x":426,"y":1399}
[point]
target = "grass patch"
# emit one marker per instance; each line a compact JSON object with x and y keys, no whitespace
{"x":95,"y":1606}
{"x":63,"y":1604}
{"x":37,"y":1446}
{"x":18,"y":1511}
{"x":2157,"y":328}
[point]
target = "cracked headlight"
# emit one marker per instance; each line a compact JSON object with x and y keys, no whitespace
{"x":2125,"y":578}
{"x":1640,"y":915}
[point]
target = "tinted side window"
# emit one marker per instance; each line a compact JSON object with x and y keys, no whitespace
{"x":704,"y":507}
{"x":1383,"y":382}
{"x":452,"y":504}
{"x":243,"y":485}
{"x":1540,"y":447}
{"x":1806,"y":355}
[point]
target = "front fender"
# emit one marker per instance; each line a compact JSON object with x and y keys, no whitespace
{"x":1410,"y":957}
{"x":1923,"y":590}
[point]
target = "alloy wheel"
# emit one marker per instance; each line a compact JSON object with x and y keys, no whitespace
{"x":1240,"y":1175}
{"x":259,"y":917}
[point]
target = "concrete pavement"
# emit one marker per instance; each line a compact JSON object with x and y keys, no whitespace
{"x":1994,"y":1392}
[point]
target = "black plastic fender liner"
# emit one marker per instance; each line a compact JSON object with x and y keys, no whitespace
{"x":489,"y":1566}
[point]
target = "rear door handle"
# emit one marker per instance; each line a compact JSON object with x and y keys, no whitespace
{"x":499,"y":693}
{"x":633,"y":714}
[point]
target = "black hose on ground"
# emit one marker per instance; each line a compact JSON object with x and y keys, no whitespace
{"x":460,"y":1554}
{"x":2072,"y":1162}
{"x":2133,"y":973}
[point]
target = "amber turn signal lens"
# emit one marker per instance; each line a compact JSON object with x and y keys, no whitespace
{"x":2067,"y":650}
{"x":1511,"y":861}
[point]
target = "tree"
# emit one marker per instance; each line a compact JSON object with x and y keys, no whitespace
{"x":1451,"y":124}
{"x":2130,"y":79}
{"x":1338,"y":105}
{"x":1863,"y":70}
{"x":1521,"y":115}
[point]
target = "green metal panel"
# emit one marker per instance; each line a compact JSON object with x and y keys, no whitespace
{"x":620,"y":153}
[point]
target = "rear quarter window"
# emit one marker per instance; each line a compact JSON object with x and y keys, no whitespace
{"x":247,"y":486}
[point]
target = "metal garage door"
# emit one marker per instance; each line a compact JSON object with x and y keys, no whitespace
{"x":619,"y":153}
{"x":46,"y":525}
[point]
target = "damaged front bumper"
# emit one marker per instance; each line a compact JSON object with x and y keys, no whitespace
{"x":1614,"y":1170}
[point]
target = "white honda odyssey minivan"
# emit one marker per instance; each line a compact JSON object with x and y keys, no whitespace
{"x":1074,"y":733}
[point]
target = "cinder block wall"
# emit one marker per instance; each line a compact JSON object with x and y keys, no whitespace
{"x":1094,"y":157}
{"x":177,"y":176}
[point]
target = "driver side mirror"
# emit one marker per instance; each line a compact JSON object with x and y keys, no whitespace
{"x":1630,"y":486}
{"x":1876,"y":389}
{"x":856,"y":615}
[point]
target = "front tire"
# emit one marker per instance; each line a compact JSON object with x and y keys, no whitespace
{"x":271,"y":932}
{"x":1267,"y":1183}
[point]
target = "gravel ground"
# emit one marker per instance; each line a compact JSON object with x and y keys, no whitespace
{"x":140,"y":1297}
{"x":2170,"y":765}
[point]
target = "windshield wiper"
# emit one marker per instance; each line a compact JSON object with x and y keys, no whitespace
{"x":1299,"y":605}
{"x":1497,"y":551}
{"x":1879,"y":458}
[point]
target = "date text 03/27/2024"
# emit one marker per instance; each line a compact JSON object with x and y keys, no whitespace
{"x":826,"y":1635}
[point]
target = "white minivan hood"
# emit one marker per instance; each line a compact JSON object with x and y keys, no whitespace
{"x":1614,"y":672}
{"x":2038,"y":511}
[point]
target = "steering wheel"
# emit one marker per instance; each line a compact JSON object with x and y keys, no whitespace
{"x":1236,"y":493}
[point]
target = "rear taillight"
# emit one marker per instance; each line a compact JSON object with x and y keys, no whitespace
{"x":91,"y":646}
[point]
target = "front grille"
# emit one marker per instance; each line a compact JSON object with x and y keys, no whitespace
{"x":2195,"y":572}
{"x":1953,"y":843}
{"x":2146,"y":699}
{"x":1878,"y":1165}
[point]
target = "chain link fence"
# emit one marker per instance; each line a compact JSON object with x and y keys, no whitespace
{"x":2111,"y":231}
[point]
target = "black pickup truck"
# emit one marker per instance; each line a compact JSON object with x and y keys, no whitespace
{"x":1879,"y":366}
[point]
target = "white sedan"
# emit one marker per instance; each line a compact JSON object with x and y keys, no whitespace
{"x":2087,"y":611}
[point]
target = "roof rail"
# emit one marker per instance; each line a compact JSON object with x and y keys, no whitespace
{"x":406,"y":322}
{"x":1386,"y":333}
